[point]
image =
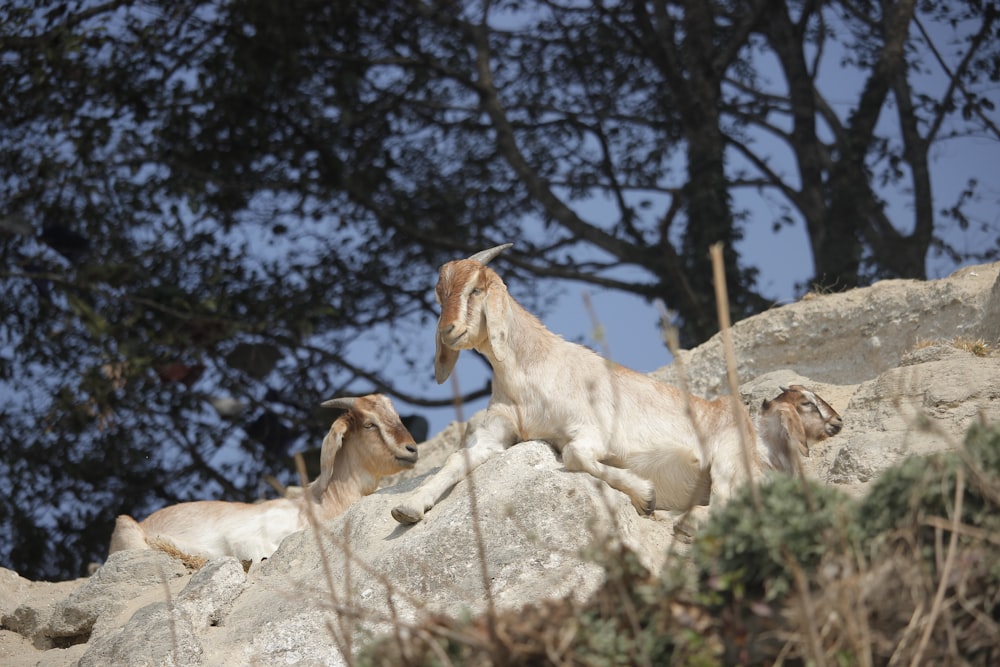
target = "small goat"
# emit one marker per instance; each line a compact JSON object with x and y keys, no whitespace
{"x":364,"y":444}
{"x":633,"y":432}
{"x":788,"y":422}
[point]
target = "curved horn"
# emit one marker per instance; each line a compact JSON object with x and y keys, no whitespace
{"x":484,"y":256}
{"x":344,"y":402}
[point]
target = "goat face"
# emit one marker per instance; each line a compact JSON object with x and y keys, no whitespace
{"x":378,"y":437}
{"x":461,"y":293}
{"x":819,"y":420}
{"x":474,"y":311}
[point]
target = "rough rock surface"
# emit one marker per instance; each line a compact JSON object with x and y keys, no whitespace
{"x":886,"y":357}
{"x":849,"y":337}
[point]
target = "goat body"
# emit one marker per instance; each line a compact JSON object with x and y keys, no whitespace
{"x":363,"y":445}
{"x":650,"y":440}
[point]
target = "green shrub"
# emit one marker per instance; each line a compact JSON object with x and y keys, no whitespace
{"x":906,"y":497}
{"x":741,"y":552}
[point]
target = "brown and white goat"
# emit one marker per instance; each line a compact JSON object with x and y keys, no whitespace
{"x":648,"y":439}
{"x":789,"y":422}
{"x":363,"y":445}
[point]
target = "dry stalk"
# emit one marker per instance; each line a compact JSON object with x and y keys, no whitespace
{"x":946,"y":571}
{"x":722,"y":305}
{"x":598,"y":328}
{"x":476,"y":527}
{"x":672,"y":340}
{"x":962,"y":528}
{"x":170,"y":617}
{"x":340,"y":635}
{"x":807,"y":608}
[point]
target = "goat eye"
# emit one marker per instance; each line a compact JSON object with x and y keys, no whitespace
{"x":476,"y":290}
{"x":369,"y":426}
{"x":808,"y":405}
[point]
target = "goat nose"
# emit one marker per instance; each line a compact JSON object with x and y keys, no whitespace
{"x":443,"y":330}
{"x":411,"y":449}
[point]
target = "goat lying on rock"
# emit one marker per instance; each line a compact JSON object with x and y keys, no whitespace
{"x":364,"y":444}
{"x":649,"y":440}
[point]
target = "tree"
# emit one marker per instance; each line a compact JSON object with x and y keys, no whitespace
{"x":213,"y":212}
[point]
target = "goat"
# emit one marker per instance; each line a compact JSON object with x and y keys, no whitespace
{"x":789,"y":421}
{"x":363,"y":445}
{"x":648,"y":439}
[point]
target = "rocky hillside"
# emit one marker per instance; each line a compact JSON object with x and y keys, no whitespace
{"x":909,"y":365}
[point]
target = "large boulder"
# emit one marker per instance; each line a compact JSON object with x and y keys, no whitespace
{"x":894,"y":359}
{"x":849,"y":337}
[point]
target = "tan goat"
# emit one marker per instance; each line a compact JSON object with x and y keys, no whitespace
{"x":623,"y":427}
{"x":363,"y":445}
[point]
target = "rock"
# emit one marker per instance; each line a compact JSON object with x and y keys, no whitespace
{"x":889,"y":358}
{"x":103,"y":596}
{"x":849,"y":337}
{"x":536,"y":522}
{"x":170,"y":632}
{"x":35,"y":605}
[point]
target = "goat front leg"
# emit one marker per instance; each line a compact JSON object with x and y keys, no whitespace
{"x":583,"y":454}
{"x":487,"y":438}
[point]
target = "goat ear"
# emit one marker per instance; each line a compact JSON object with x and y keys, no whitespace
{"x":332,"y":443}
{"x":444,"y":360}
{"x":796,"y":434}
{"x":498,"y":319}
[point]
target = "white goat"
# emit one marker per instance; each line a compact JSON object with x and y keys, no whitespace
{"x":788,"y":422}
{"x":625,"y":428}
{"x":364,"y":444}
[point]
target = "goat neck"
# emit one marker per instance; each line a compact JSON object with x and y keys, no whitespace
{"x":338,"y":488}
{"x":527,"y":343}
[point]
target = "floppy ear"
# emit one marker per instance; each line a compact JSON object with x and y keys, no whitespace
{"x":796,"y":434}
{"x":332,"y":443}
{"x":498,"y":319}
{"x":444,"y":360}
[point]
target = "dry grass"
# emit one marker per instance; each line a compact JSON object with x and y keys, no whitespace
{"x":976,"y":346}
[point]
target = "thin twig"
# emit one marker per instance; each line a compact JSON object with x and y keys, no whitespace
{"x":670,"y":337}
{"x":342,"y":644}
{"x":722,"y":305}
{"x":946,"y":571}
{"x":476,"y":527}
{"x":805,"y":603}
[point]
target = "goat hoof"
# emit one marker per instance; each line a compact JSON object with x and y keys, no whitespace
{"x":647,"y":506}
{"x":401,"y":515}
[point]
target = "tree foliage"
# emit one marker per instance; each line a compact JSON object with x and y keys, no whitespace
{"x":204,"y":200}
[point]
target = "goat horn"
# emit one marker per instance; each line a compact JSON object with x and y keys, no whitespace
{"x":484,"y":256}
{"x":344,"y":402}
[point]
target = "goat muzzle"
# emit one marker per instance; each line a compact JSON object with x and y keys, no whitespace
{"x":410,"y":459}
{"x":449,"y":340}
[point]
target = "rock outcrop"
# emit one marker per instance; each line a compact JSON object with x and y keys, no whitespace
{"x":897,"y":360}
